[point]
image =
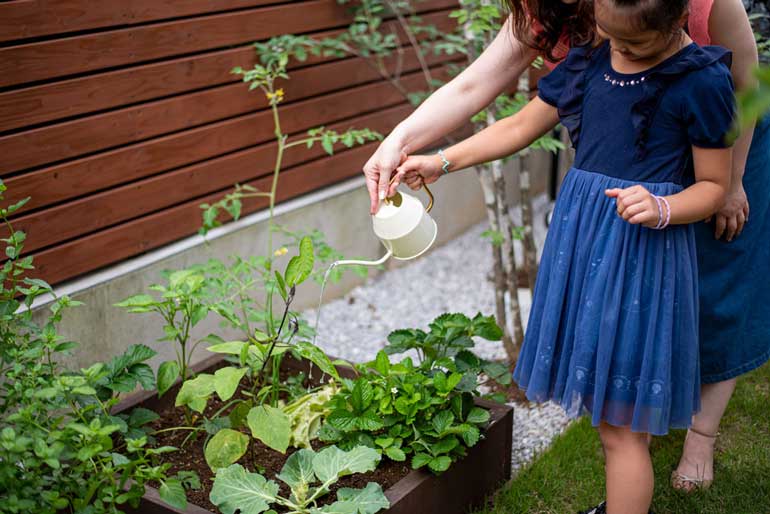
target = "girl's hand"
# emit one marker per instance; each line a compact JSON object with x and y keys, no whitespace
{"x":419,"y":169}
{"x":636,"y":205}
{"x":732,"y":217}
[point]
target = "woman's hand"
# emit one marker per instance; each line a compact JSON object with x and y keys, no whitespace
{"x":731,"y":218}
{"x":379,"y":168}
{"x":417,"y":170}
{"x":636,"y":205}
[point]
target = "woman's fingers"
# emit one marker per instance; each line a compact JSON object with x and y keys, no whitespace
{"x":720,"y":224}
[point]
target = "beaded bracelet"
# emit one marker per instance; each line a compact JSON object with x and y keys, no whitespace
{"x":446,"y":163}
{"x":660,"y":212}
{"x":668,"y":212}
{"x":661,"y":200}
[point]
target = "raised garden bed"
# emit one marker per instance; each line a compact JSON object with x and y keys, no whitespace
{"x":464,"y":486}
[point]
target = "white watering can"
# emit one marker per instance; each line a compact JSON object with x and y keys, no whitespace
{"x":405,"y":229}
{"x":404,"y":226}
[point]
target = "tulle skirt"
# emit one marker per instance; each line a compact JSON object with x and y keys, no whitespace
{"x":613,"y":329}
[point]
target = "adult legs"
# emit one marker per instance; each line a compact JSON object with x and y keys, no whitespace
{"x":697,"y":461}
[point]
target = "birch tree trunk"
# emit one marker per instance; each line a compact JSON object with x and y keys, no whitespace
{"x":528,"y":236}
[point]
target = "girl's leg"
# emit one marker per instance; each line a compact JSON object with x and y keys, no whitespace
{"x":697,"y":460}
{"x":628,"y":470}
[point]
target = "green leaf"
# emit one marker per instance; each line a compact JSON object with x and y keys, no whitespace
{"x":297,"y":473}
{"x":229,"y":348}
{"x":315,"y":355}
{"x":478,"y":416}
{"x":332,"y":463}
{"x":396,"y":454}
{"x":440,"y":464}
{"x":497,"y":371}
{"x":271,"y":426}
{"x":486,"y":327}
{"x":470,"y":435}
{"x":235,"y":489}
{"x":141,"y":416}
{"x":226,"y":381}
{"x":225,"y":448}
{"x":281,"y":286}
{"x":442,"y":421}
{"x":362,"y":395}
{"x":368,"y":500}
{"x":172,"y":492}
{"x":195,"y":392}
{"x":168,"y":372}
{"x":138,"y":303}
{"x":382,"y":363}
{"x":421,"y":459}
{"x":342,"y":420}
{"x":300,"y":266}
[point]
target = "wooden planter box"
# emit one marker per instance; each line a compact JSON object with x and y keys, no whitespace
{"x":465,"y":486}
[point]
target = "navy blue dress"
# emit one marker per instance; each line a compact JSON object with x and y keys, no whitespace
{"x":614,"y":322}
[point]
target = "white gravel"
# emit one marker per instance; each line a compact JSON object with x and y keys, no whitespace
{"x":452,"y":278}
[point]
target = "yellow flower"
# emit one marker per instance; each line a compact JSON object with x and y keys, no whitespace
{"x":281,"y":251}
{"x":276,"y":97}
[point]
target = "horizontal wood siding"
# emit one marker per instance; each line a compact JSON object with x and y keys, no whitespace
{"x":120,"y":117}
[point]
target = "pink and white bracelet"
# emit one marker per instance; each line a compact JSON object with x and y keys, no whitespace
{"x":660,"y":200}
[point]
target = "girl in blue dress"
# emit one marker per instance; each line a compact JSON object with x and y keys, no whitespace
{"x":613,"y":329}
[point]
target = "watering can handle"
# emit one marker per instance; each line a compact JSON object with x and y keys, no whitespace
{"x":425,"y":187}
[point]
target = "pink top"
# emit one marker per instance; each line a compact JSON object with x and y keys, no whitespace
{"x":697,"y":24}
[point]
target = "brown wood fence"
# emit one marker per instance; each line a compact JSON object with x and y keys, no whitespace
{"x":120,"y":117}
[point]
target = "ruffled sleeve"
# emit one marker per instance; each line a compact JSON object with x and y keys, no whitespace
{"x":550,"y":87}
{"x":564,"y":88}
{"x":710,"y":110}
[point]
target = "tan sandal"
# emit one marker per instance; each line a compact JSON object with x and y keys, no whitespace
{"x":689,"y":484}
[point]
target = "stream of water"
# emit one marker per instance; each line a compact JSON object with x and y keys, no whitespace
{"x":333,"y":265}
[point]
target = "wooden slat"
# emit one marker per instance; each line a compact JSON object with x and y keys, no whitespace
{"x":50,"y":59}
{"x":108,"y":169}
{"x":35,"y":18}
{"x":73,"y":138}
{"x":123,"y":241}
{"x":96,"y":212}
{"x":39,"y":104}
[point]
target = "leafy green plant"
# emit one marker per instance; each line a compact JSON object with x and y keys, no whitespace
{"x":425,"y":411}
{"x":182,"y":304}
{"x":257,"y":363}
{"x":309,"y":476}
{"x":407,"y":413}
{"x":61,"y":448}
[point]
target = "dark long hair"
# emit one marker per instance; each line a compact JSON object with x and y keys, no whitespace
{"x":556,"y":19}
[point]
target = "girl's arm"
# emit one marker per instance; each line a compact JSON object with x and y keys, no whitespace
{"x":699,"y":201}
{"x":495,"y":70}
{"x":501,"y":139}
{"x":729,"y":27}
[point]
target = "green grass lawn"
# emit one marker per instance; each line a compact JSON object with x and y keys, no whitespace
{"x":569,"y":476}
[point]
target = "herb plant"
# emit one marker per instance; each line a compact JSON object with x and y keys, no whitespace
{"x":424,"y":412}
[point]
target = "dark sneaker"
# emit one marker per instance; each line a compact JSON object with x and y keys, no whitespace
{"x":599,"y":509}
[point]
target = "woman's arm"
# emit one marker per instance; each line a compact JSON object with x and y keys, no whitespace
{"x":501,"y":139}
{"x":729,"y":27}
{"x":496,"y":69}
{"x":702,"y":199}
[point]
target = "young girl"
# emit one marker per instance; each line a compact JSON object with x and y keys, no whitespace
{"x":613,"y":327}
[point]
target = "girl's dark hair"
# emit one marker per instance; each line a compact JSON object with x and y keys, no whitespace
{"x":659,"y":15}
{"x":556,"y":19}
